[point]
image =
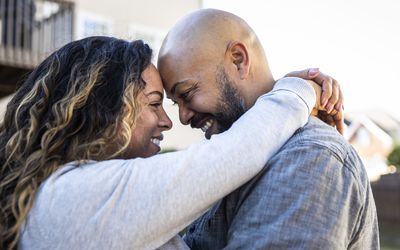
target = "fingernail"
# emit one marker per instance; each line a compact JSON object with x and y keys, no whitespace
{"x":338,"y":107}
{"x":313,"y":71}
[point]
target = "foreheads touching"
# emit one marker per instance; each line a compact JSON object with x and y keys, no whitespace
{"x":195,"y":52}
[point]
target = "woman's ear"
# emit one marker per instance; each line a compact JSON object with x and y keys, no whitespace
{"x":238,"y":55}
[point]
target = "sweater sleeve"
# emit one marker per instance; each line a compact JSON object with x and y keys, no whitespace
{"x":143,"y":203}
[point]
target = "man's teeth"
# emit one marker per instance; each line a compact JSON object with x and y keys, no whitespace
{"x":206,"y":126}
{"x":155,"y":141}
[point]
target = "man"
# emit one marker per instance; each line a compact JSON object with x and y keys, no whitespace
{"x":313,"y":194}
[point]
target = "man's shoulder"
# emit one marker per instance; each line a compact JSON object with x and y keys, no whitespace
{"x":316,"y":137}
{"x":316,"y":134}
{"x":316,"y":157}
{"x":319,"y":146}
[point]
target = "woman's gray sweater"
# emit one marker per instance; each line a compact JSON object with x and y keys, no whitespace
{"x":145,"y":203}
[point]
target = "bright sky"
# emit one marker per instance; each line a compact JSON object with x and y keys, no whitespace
{"x":355,"y":41}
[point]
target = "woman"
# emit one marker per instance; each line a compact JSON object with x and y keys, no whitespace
{"x":73,"y":147}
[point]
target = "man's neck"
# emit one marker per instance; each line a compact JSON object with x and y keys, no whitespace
{"x":258,"y":90}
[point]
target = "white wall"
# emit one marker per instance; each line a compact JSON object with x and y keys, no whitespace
{"x":130,"y":19}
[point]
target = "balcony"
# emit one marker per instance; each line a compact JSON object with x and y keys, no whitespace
{"x":30,"y":30}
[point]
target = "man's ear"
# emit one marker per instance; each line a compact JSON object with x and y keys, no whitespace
{"x":238,"y":55}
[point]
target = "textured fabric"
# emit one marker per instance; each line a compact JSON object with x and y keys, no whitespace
{"x":144,"y":203}
{"x":313,"y":194}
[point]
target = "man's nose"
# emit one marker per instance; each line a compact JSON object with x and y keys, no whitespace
{"x":185,"y":114}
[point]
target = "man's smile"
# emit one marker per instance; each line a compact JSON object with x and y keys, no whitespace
{"x":205,"y":123}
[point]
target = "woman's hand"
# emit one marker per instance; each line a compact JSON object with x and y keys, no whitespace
{"x":329,"y":105}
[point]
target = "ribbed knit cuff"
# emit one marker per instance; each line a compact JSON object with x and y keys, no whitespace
{"x":300,"y":87}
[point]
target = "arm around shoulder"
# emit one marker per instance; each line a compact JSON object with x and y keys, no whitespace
{"x":184,"y":184}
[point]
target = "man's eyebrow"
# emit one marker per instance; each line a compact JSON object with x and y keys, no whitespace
{"x":155,"y":93}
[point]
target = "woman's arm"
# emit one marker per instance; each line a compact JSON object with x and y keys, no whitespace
{"x":142,"y":203}
{"x":178,"y":187}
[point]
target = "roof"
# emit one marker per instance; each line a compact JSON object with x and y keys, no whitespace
{"x":356,"y":121}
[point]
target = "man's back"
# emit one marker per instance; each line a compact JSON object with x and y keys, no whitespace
{"x":313,"y":194}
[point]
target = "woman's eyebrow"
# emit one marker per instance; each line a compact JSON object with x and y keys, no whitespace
{"x":155,"y":93}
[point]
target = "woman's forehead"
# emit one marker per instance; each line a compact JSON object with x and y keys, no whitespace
{"x":153,"y":80}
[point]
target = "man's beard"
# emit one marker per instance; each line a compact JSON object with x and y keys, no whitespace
{"x":230,"y":105}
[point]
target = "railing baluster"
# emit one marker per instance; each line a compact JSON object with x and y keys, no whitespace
{"x":2,"y":17}
{"x":35,"y":43}
{"x":18,"y":30}
{"x":43,"y":37}
{"x":9,"y":28}
{"x":24,"y":43}
{"x":71,"y":22}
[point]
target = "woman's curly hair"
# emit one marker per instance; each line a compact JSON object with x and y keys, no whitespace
{"x":77,"y":101}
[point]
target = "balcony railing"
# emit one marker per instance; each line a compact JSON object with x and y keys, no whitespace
{"x":32,"y":29}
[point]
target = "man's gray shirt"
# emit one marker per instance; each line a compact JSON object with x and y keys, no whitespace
{"x":313,"y":194}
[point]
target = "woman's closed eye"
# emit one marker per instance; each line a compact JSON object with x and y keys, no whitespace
{"x":156,"y":104}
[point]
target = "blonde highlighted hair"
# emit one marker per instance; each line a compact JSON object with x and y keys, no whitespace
{"x":69,"y":109}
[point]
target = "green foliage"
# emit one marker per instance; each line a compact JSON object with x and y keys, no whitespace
{"x":394,"y":157}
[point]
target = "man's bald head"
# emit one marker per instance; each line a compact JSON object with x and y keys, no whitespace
{"x":203,"y":39}
{"x":211,"y":30}
{"x":213,"y":65}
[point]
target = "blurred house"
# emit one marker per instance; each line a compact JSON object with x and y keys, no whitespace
{"x":387,"y":123}
{"x":31,"y":29}
{"x":373,"y":135}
